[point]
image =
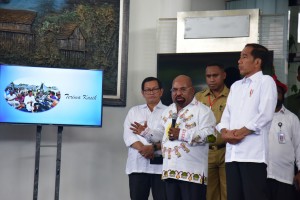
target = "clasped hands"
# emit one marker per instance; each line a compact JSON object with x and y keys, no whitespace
{"x":147,"y":151}
{"x":234,"y":136}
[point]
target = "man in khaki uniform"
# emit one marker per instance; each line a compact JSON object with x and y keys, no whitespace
{"x":215,"y":97}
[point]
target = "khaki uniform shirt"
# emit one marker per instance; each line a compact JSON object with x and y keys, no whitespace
{"x":217,"y":105}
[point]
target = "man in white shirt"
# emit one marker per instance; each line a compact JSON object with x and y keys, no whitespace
{"x":284,"y":150}
{"x":245,"y":125}
{"x":186,"y":125}
{"x":144,"y":162}
{"x":29,"y":101}
{"x":11,"y":99}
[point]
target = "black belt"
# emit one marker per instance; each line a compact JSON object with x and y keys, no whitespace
{"x":217,"y":147}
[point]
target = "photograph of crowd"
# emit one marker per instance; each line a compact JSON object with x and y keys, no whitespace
{"x":31,"y":98}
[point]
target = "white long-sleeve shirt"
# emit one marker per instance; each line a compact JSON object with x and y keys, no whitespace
{"x":251,"y":104}
{"x":135,"y":161}
{"x":186,"y":159}
{"x":283,"y":155}
{"x":29,"y":101}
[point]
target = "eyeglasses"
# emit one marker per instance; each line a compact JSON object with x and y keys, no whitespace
{"x":153,"y":90}
{"x":182,"y":90}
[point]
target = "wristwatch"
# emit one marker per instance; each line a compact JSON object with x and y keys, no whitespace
{"x":154,"y":147}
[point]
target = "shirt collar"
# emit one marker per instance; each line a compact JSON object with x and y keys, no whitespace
{"x":253,"y":77}
{"x":194,"y":101}
{"x":158,"y":106}
{"x":224,"y":92}
{"x":282,"y":110}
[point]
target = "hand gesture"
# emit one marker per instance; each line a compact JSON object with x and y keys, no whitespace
{"x":138,"y":128}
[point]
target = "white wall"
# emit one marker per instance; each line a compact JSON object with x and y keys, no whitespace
{"x":93,"y":160}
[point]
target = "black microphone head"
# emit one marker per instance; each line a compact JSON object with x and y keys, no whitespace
{"x":174,"y":118}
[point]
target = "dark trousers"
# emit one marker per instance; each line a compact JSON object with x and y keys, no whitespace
{"x":279,"y":191}
{"x":183,"y":190}
{"x":141,"y":183}
{"x":246,"y":181}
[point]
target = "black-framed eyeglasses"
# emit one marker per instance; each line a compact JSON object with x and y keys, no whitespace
{"x":153,"y":91}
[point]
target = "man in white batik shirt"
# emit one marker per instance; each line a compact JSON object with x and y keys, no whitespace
{"x":284,"y":150}
{"x":144,"y":162}
{"x":184,"y":147}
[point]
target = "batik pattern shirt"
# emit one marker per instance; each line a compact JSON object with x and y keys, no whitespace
{"x":186,"y":159}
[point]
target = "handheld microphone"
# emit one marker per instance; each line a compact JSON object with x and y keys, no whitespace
{"x":174,"y":118}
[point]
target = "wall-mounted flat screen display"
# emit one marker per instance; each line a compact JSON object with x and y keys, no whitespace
{"x":50,"y":96}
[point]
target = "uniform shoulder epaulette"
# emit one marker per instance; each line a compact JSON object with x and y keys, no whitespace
{"x":203,"y":91}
